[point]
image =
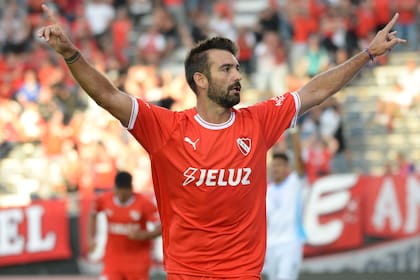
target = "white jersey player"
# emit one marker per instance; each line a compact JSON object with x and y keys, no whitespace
{"x":285,"y":233}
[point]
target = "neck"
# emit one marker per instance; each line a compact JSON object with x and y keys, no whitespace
{"x":280,"y":180}
{"x":214,"y":113}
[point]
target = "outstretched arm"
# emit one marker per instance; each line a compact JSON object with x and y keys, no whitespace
{"x":331,"y":81}
{"x":96,"y":84}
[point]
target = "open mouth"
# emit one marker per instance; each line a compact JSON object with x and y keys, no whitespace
{"x":235,"y":89}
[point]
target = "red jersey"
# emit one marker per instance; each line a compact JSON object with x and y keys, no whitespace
{"x":210,"y":183}
{"x":121,"y":252}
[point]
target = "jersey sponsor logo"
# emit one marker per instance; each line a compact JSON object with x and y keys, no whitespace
{"x":122,"y":228}
{"x":278,"y":100}
{"x":244,"y":145}
{"x":217,"y":177}
{"x":193,"y":143}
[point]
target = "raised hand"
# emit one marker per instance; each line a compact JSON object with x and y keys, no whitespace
{"x":385,"y":39}
{"x":55,"y":36}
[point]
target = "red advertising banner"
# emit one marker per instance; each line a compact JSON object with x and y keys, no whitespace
{"x":343,"y":209}
{"x":33,"y":233}
{"x":392,"y":206}
{"x":333,"y":215}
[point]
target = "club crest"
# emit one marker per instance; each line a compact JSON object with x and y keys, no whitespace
{"x":244,"y":145}
{"x":135,"y":215}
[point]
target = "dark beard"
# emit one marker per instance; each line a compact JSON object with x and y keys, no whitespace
{"x":225,"y":100}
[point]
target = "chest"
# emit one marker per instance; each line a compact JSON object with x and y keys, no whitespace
{"x":123,"y":214}
{"x":216,"y":146}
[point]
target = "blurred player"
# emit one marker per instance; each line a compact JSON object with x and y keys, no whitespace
{"x":209,"y":162}
{"x":132,"y":223}
{"x":285,"y":233}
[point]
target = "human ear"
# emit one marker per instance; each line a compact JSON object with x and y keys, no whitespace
{"x":200,"y":80}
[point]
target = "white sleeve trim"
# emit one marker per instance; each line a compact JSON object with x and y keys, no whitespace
{"x":134,"y":113}
{"x":297,"y":105}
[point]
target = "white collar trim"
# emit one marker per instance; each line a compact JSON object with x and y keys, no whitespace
{"x":129,"y":202}
{"x":215,"y":126}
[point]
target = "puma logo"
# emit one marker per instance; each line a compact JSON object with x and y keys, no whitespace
{"x":193,"y":144}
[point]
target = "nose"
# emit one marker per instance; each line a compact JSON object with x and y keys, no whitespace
{"x":238,"y":75}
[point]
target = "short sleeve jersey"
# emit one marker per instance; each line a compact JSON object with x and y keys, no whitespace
{"x":210,"y":183}
{"x":121,"y":252}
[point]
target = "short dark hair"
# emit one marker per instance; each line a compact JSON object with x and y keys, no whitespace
{"x":197,"y":58}
{"x":279,"y":155}
{"x":123,"y":180}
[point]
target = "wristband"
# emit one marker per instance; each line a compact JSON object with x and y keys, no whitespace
{"x":371,"y":57}
{"x":73,"y":58}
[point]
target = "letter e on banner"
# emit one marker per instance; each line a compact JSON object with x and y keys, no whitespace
{"x":34,"y":233}
{"x":332,"y":215}
{"x":11,"y":242}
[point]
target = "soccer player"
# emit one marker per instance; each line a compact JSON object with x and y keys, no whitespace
{"x":209,"y":162}
{"x":132,"y":223}
{"x":285,"y":232}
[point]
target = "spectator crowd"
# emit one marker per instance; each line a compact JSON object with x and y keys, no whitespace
{"x":140,"y":45}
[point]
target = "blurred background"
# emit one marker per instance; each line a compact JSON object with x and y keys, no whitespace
{"x":58,"y":148}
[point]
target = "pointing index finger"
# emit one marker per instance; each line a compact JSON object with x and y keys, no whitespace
{"x":391,"y":23}
{"x":49,"y":13}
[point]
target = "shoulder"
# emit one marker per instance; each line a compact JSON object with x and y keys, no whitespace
{"x":285,"y":100}
{"x":149,"y":105}
{"x":143,"y":199}
{"x":150,"y":114}
{"x":270,"y":187}
{"x":294,"y":178}
{"x":104,"y":195}
{"x":104,"y":199}
{"x":107,"y":196}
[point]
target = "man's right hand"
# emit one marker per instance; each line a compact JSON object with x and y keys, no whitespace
{"x":55,"y":36}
